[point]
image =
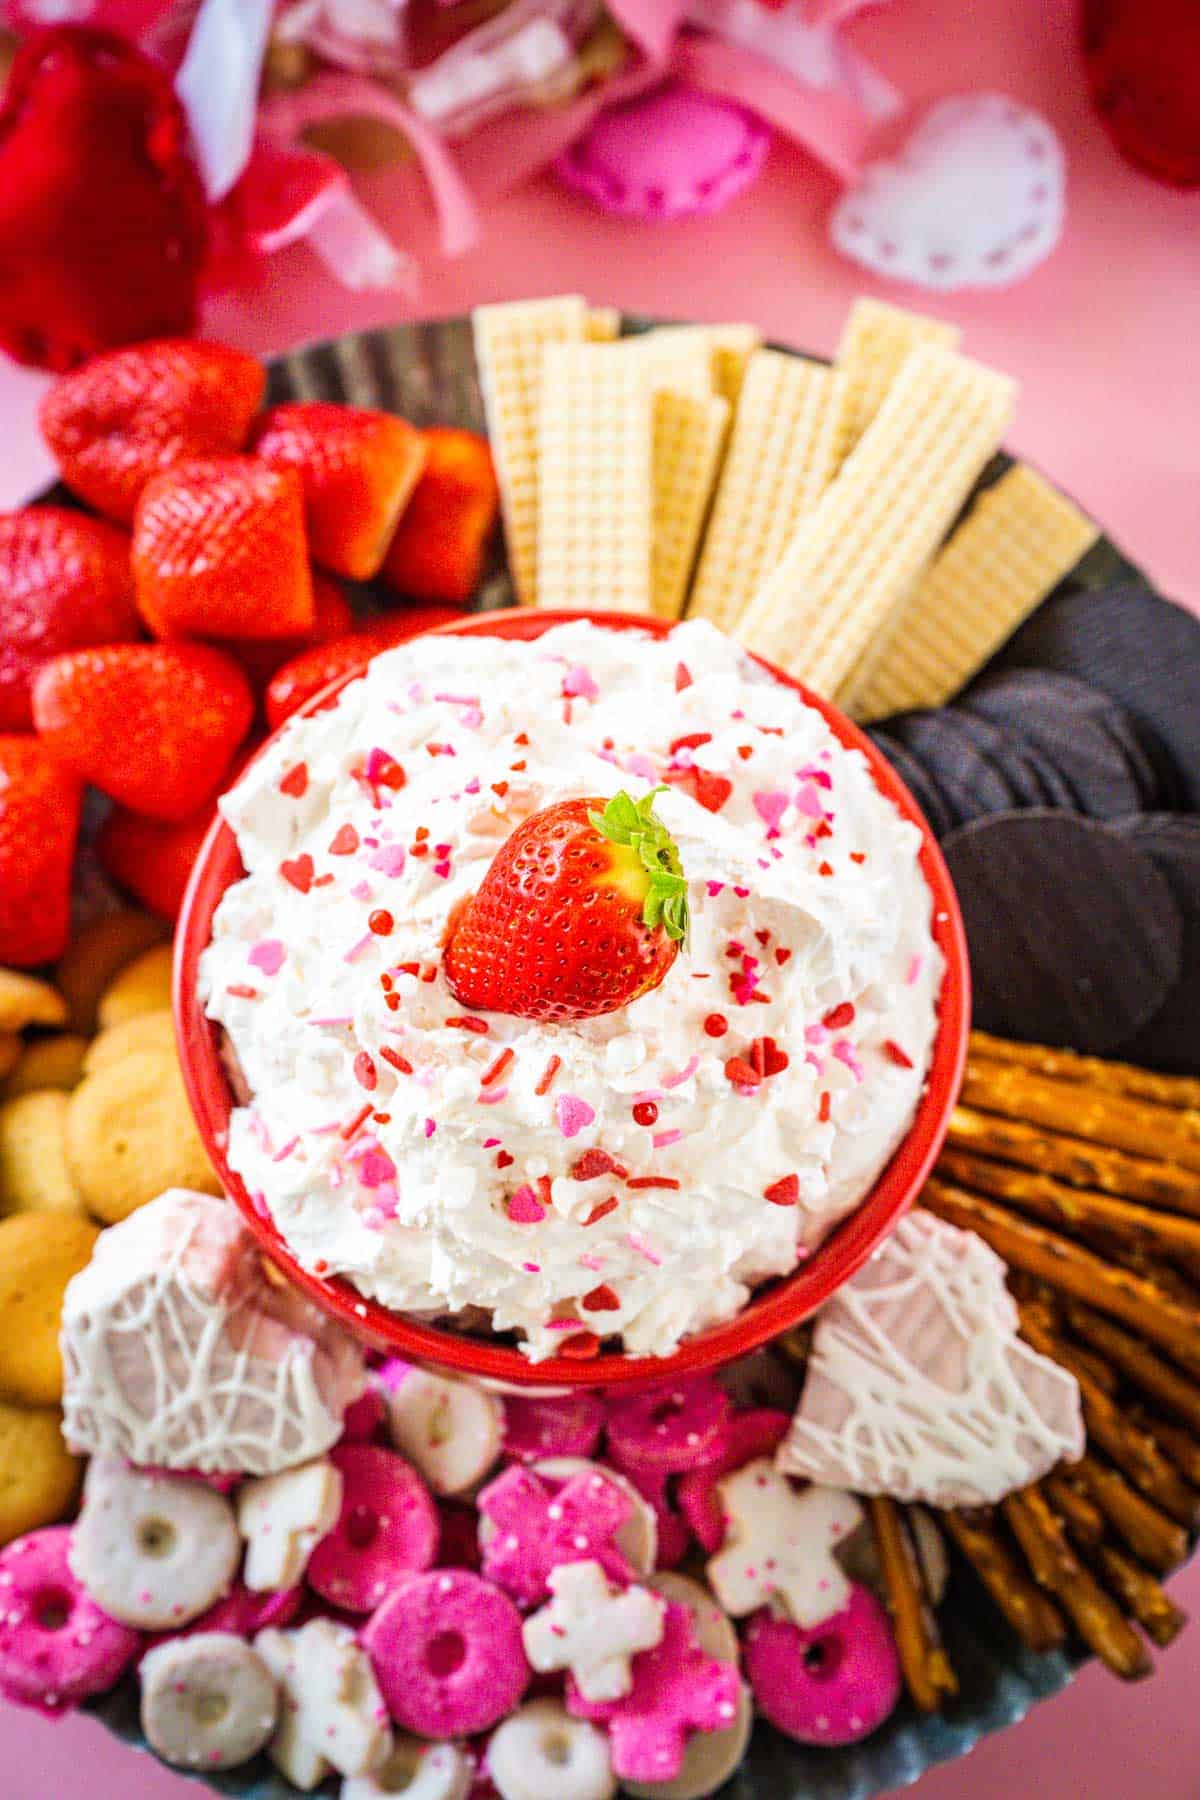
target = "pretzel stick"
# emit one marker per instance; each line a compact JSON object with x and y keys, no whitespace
{"x":1056,"y":1568}
{"x":1075,"y":1271}
{"x":1081,"y":1516}
{"x":1118,"y":1122}
{"x":1032,"y":1615}
{"x":1073,"y":1209}
{"x":1141,"y":1596}
{"x":1084,"y":1165}
{"x":927,"y":1671}
{"x":1066,"y":1065}
{"x":1147,"y":1372}
{"x":1135,"y":1454}
{"x":1154,"y":1539}
{"x":1188,"y":1265}
{"x":1182,"y":1449}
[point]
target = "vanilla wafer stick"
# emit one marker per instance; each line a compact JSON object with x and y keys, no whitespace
{"x":677,"y":361}
{"x":603,"y":325}
{"x":875,"y":340}
{"x":509,"y":343}
{"x":855,"y":556}
{"x":689,"y":437}
{"x":1095,"y":1071}
{"x":595,"y":456}
{"x":729,"y":348}
{"x":1013,"y":548}
{"x":786,"y":445}
{"x":1070,"y":1159}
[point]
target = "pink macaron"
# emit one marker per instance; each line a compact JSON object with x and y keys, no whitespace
{"x":670,"y":154}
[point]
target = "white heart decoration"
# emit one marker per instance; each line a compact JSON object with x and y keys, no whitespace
{"x":973,"y":199}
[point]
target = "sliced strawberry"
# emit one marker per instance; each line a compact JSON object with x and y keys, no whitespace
{"x":102,"y":213}
{"x":358,"y":469}
{"x":65,"y":582}
{"x":128,"y":415}
{"x":438,"y":550}
{"x":39,"y":822}
{"x":333,"y":617}
{"x":582,"y":910}
{"x":153,"y":725}
{"x":306,"y":675}
{"x":219,"y":552}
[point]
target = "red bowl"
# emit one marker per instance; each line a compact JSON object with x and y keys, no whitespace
{"x":781,"y":1303}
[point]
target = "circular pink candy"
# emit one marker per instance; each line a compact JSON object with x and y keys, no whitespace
{"x":673,"y":1537}
{"x":387,"y":1528}
{"x":666,"y":155}
{"x":363,"y":1417}
{"x":751,"y":1434}
{"x":834,"y":1684}
{"x":566,"y":1425}
{"x":447,"y":1653}
{"x":669,"y":1429}
{"x":56,"y":1646}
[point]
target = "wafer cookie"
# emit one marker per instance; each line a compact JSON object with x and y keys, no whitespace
{"x":689,"y":436}
{"x":875,"y":340}
{"x":863,"y":545}
{"x":786,"y":445}
{"x":674,"y":360}
{"x":729,"y":348}
{"x":1015,"y":545}
{"x":603,"y":324}
{"x":595,"y":479}
{"x":509,"y":340}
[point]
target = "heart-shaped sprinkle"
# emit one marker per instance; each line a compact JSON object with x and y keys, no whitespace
{"x":524,"y":1207}
{"x":573,"y":1114}
{"x":298,"y":872}
{"x":295,"y":782}
{"x":784,"y":1192}
{"x":345,"y":841}
{"x":269,"y":955}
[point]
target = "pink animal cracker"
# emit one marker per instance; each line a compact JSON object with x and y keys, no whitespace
{"x":418,"y":1771}
{"x":832,"y":1684}
{"x":56,"y":1645}
{"x":780,"y":1544}
{"x":154,"y":1551}
{"x":564,"y":1425}
{"x":542,"y":1753}
{"x":751,"y":1434}
{"x":533,"y":1530}
{"x":919,"y":1386}
{"x":447,"y":1653}
{"x":451,"y":1430}
{"x":669,"y":1429}
{"x":387,"y":1527}
{"x":332,"y":1716}
{"x":593,"y":1629}
{"x":283,"y":1518}
{"x":208,"y":1701}
{"x":676,"y":1690}
{"x":179,"y":1351}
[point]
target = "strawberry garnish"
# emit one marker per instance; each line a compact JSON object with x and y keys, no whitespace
{"x":64,"y":582}
{"x":153,"y":725}
{"x":130,"y":414}
{"x":296,"y":683}
{"x":219,"y":551}
{"x":39,"y":820}
{"x":357,"y":468}
{"x":102,"y":214}
{"x":582,"y":910}
{"x":438,"y":550}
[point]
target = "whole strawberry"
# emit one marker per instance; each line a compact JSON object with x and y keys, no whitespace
{"x":582,"y":910}
{"x":39,"y":821}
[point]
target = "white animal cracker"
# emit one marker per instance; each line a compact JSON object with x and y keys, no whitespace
{"x":593,"y":1629}
{"x":283,"y":1518}
{"x":333,"y":1717}
{"x":780,"y":1544}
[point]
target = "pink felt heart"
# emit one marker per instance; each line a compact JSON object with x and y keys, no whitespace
{"x":973,"y":199}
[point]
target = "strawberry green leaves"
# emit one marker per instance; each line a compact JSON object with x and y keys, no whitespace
{"x":635,"y":825}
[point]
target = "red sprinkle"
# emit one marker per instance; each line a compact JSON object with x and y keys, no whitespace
{"x":548,"y":1074}
{"x":388,"y":773}
{"x":503,"y":1160}
{"x":645,"y":1113}
{"x":345,"y":841}
{"x":500,"y":788}
{"x":522,"y":737}
{"x":295,"y":782}
{"x":745,"y":751}
{"x":838,"y":1017}
{"x":581,"y":1347}
{"x":392,"y":1002}
{"x":592,"y":1164}
{"x":241,"y":992}
{"x":495,"y":1070}
{"x":395,"y":1059}
{"x":824,"y":868}
{"x":418,"y":849}
{"x":653,"y":1181}
{"x":466,"y":1023}
{"x":741,"y":1073}
{"x":858,"y":856}
{"x":409,"y":968}
{"x":782,"y":956}
{"x":381,"y":922}
{"x":894,"y":1053}
{"x":518,"y":767}
{"x":692,"y":741}
{"x":299,"y":872}
{"x":823,"y":1109}
{"x":601,"y":1299}
{"x":357,"y":1122}
{"x":716,"y":1025}
{"x":365,"y":1072}
{"x":785,"y":1192}
{"x":602,"y":1210}
{"x":683,"y":677}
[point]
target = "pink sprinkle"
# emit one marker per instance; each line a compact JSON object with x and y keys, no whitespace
{"x":844,"y":1052}
{"x":573,"y":1114}
{"x":578,"y":681}
{"x":815,"y":1034}
{"x":472,"y":786}
{"x":472,"y":718}
{"x":442,"y":869}
{"x":269,"y":955}
{"x":491,"y":1097}
{"x":640,"y":1247}
{"x":361,"y":890}
{"x":640,"y":764}
{"x":356,"y":950}
{"x":532,"y":1268}
{"x":742,"y":892}
{"x":681,"y":1075}
{"x":647,"y":1094}
{"x":661,"y":1139}
{"x":820,"y":776}
{"x":714,"y":888}
{"x":770,"y":805}
{"x":416,"y":693}
{"x":430,"y":1127}
{"x":282,"y":1155}
{"x":458,"y":699}
{"x":325,"y":1130}
{"x":389,"y":859}
{"x":259,"y":1202}
{"x":442,"y":849}
{"x":914,"y":970}
{"x":376,"y":1168}
{"x":490,"y":1143}
{"x":609,"y":756}
{"x":808,"y":802}
{"x":562,"y":1325}
{"x":592,"y":1262}
{"x":814,"y":1062}
{"x":258,"y":1131}
{"x":524,"y":1207}
{"x":333,"y":1019}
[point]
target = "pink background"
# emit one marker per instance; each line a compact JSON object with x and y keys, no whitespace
{"x":1103,"y":336}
